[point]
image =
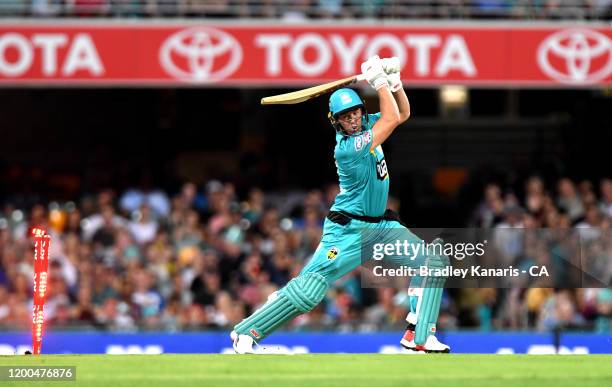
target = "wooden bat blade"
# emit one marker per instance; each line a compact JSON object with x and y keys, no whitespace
{"x":312,"y":92}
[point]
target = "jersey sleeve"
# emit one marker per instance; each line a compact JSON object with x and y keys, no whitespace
{"x":354,"y":148}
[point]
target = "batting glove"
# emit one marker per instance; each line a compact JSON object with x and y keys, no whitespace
{"x":391,"y":65}
{"x":374,"y":73}
{"x":392,"y":69}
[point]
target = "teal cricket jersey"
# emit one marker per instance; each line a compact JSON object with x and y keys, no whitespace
{"x":362,"y":174}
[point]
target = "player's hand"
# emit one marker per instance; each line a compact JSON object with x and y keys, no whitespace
{"x":391,"y":65}
{"x":374,"y":73}
{"x":392,"y":69}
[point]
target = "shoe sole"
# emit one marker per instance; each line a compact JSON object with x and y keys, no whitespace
{"x":442,"y":351}
{"x":414,"y":349}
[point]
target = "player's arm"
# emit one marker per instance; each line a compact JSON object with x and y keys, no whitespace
{"x":390,"y":118}
{"x":403,"y":104}
{"x":392,"y":69}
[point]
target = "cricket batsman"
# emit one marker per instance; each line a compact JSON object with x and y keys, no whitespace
{"x":360,"y":206}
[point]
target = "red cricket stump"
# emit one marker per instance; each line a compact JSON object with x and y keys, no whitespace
{"x":41,"y":266}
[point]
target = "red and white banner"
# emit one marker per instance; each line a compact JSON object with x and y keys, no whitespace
{"x":257,"y":54}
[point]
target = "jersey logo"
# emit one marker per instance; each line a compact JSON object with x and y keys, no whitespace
{"x":358,"y":143}
{"x":381,"y":170}
{"x":332,"y":253}
{"x":362,"y":140}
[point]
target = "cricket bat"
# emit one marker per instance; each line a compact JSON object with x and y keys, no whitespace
{"x":310,"y":93}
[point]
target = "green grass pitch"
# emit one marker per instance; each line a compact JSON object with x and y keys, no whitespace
{"x":325,"y":370}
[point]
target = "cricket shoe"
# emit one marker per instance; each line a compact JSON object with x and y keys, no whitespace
{"x":242,"y":344}
{"x":407,"y":340}
{"x":432,"y":345}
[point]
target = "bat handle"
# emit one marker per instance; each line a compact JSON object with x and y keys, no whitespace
{"x":360,"y":78}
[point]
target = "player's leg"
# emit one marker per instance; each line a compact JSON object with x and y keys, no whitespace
{"x":300,"y":295}
{"x":415,"y":293}
{"x":425,"y":297}
{"x":425,"y":293}
{"x":337,"y":254}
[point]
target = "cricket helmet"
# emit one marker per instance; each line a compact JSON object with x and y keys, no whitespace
{"x":343,"y":100}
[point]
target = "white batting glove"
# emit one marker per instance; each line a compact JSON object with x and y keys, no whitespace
{"x":374,"y":73}
{"x":395,"y":82}
{"x":391,"y":65}
{"x":392,"y":69}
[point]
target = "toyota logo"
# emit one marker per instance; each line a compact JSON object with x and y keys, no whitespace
{"x":200,"y":54}
{"x":576,"y":56}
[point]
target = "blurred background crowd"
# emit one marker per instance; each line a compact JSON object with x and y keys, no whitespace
{"x":308,"y":9}
{"x":204,"y":257}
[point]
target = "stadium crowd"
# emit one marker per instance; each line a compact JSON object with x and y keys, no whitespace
{"x":306,"y":9}
{"x":204,"y":258}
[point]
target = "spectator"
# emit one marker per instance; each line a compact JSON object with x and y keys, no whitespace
{"x":143,"y":227}
{"x":84,"y":310}
{"x":91,"y":7}
{"x":508,"y":235}
{"x":205,"y":288}
{"x":134,"y":199}
{"x":46,"y":8}
{"x":146,"y":299}
{"x":606,"y":197}
{"x":490,"y":211}
{"x":128,"y":8}
{"x":329,"y":8}
{"x":589,"y":228}
{"x":568,"y":199}
{"x":253,"y":208}
{"x":104,"y":224}
{"x":559,"y":312}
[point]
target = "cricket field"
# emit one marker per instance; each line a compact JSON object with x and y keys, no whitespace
{"x":325,"y":370}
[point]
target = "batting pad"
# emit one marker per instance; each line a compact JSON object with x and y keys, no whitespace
{"x":299,"y":296}
{"x":426,"y":299}
{"x":429,"y":309}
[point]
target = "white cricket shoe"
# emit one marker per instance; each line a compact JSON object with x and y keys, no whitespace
{"x":242,"y":343}
{"x":407,"y":340}
{"x":432,"y":345}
